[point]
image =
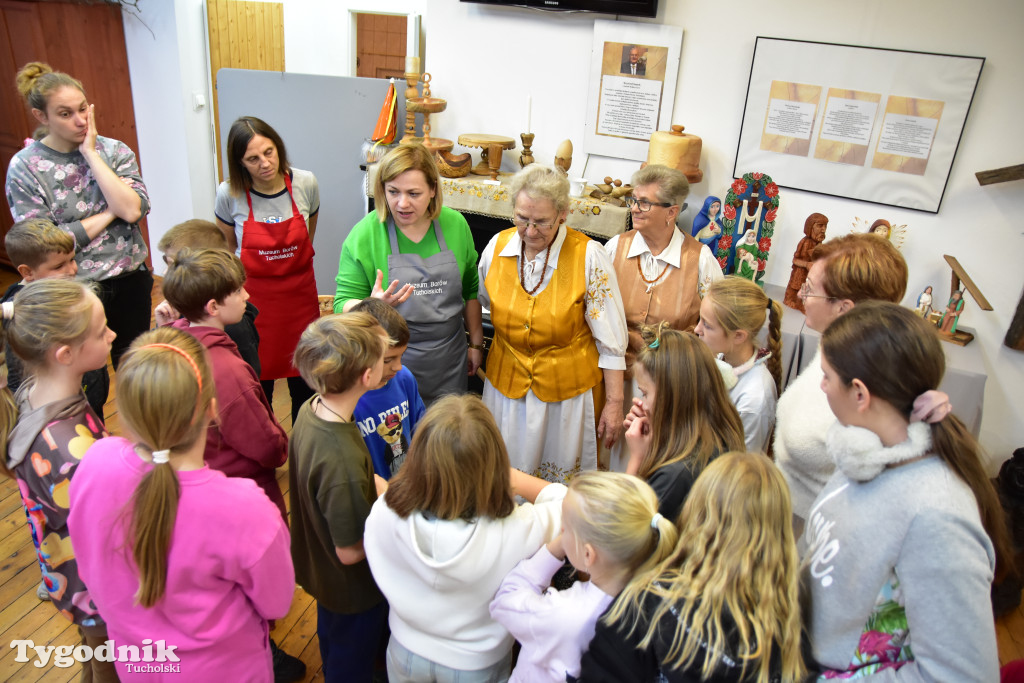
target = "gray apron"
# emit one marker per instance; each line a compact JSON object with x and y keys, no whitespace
{"x":437,"y":335}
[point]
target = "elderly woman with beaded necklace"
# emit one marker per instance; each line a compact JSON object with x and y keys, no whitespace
{"x":555,"y":370}
{"x":662,"y":271}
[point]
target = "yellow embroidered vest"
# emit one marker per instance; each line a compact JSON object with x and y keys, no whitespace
{"x":673,"y":297}
{"x":542,"y":342}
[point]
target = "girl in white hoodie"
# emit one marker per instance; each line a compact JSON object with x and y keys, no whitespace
{"x":443,"y":536}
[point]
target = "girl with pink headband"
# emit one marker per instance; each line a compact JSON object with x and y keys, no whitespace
{"x":195,"y":559}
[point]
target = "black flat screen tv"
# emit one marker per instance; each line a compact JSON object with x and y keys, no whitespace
{"x":629,"y":8}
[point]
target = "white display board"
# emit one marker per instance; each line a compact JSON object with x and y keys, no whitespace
{"x":873,"y":124}
{"x":628,"y":98}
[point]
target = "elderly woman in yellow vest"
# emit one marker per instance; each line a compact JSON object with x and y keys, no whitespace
{"x":555,"y":369}
{"x":662,"y":271}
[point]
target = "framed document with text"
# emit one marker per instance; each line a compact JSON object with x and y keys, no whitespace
{"x":872,"y":124}
{"x":632,"y":86}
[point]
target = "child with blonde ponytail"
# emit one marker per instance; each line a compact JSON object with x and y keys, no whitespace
{"x":58,"y":329}
{"x":195,"y":559}
{"x":723,"y":607}
{"x":611,"y":529}
{"x":731,"y":314}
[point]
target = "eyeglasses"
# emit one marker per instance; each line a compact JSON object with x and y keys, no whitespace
{"x":521,"y":222}
{"x":644,"y":204}
{"x":805,"y":293}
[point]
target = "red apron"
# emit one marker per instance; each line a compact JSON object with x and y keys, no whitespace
{"x":278,"y":260}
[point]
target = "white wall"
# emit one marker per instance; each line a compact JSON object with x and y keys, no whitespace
{"x":486,"y":60}
{"x":168,"y":64}
{"x":548,"y":56}
{"x":332,"y":51}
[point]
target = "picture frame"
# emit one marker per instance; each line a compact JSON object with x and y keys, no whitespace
{"x":873,"y":124}
{"x":624,"y":105}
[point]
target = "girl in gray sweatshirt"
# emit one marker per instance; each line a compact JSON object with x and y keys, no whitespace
{"x":903,"y":542}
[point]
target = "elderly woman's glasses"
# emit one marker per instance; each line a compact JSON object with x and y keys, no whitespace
{"x":645,"y":204}
{"x":522,"y":222}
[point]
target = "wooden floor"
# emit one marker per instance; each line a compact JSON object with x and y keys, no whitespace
{"x":24,"y":616}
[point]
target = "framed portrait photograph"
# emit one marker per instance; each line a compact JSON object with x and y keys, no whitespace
{"x":874,"y":124}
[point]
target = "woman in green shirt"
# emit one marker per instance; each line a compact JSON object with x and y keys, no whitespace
{"x":425,"y":251}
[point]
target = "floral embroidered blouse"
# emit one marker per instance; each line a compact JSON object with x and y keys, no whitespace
{"x":45,"y":183}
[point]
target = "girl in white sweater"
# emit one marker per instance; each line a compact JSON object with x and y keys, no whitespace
{"x":445,"y":534}
{"x":731,"y":314}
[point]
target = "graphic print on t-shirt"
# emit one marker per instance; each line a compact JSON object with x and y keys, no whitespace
{"x":387,"y":424}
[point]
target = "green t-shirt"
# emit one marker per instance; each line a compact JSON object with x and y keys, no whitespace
{"x":367,"y":247}
{"x":331,"y":487}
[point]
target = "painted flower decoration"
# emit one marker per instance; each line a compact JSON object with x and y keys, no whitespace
{"x":771,"y":190}
{"x":729,"y":211}
{"x":770,"y":215}
{"x":739,"y":186}
{"x":725,"y":242}
{"x":765,"y":244}
{"x":878,"y":644}
{"x":722,"y":260}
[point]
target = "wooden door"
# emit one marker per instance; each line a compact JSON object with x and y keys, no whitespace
{"x":243,"y":35}
{"x":53,"y":32}
{"x":380,"y":45}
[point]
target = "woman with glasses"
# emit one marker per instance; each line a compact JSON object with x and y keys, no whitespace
{"x":663,"y":272}
{"x":554,"y":372}
{"x":425,"y":251}
{"x":843,"y":272}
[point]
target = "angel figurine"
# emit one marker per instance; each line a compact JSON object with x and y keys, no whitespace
{"x":883,"y":228}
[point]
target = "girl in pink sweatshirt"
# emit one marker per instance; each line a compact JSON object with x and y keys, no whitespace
{"x":181,"y":560}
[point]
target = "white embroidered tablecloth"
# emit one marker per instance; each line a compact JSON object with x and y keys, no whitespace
{"x":472,"y":194}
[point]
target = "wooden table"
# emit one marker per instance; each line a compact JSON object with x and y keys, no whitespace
{"x":490,"y":157}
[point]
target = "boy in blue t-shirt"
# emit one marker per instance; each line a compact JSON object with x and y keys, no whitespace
{"x":387,"y":416}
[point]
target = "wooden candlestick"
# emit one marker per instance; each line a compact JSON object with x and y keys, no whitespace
{"x":526,"y":158}
{"x":411,"y":92}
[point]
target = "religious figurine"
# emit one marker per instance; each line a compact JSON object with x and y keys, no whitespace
{"x":951,"y":316}
{"x":883,"y":228}
{"x":707,"y":224}
{"x":814,"y":234}
{"x":751,"y":205}
{"x":746,"y":256}
{"x":924,"y":303}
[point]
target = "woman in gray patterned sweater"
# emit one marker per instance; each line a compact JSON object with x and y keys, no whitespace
{"x":89,"y":186}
